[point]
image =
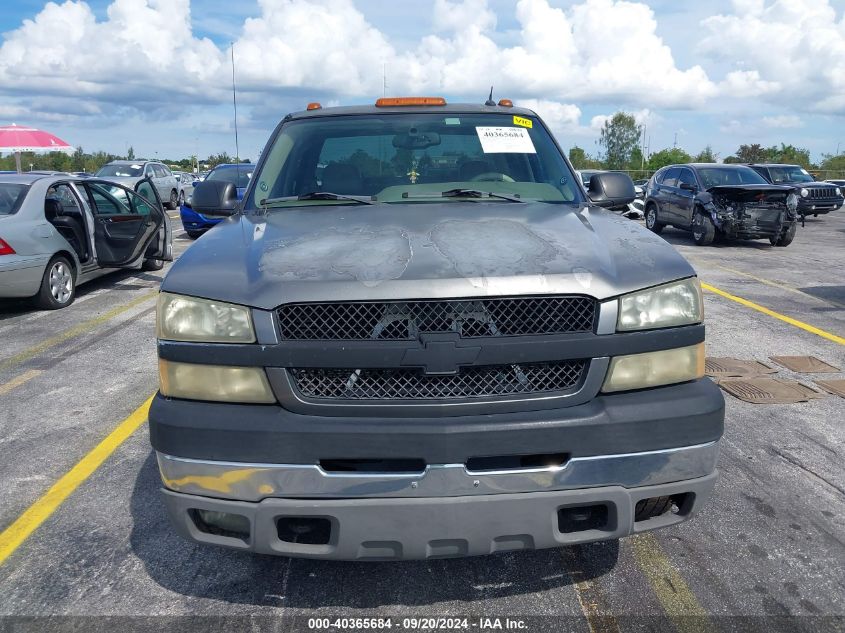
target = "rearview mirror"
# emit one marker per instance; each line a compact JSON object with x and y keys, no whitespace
{"x":688,"y":186}
{"x":611,"y":190}
{"x":215,"y":198}
{"x":416,"y":140}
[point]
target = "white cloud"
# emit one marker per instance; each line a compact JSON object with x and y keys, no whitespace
{"x":783,"y":121}
{"x":560,"y":117}
{"x":790,"y":51}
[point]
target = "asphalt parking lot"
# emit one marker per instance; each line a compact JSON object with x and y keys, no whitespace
{"x":771,"y":543}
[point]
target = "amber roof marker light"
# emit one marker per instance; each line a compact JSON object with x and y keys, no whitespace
{"x":314,"y":105}
{"x":387,"y":102}
{"x":506,"y":103}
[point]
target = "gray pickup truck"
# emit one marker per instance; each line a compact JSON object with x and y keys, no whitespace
{"x":416,"y":337}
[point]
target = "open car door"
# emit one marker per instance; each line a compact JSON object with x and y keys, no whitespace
{"x":161,"y":247}
{"x":125,"y":222}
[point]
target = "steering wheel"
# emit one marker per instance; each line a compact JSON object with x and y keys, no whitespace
{"x":492,"y":176}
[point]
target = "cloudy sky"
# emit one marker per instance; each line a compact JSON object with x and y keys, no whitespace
{"x":156,"y":74}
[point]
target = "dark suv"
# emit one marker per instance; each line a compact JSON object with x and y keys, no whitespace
{"x":813,"y":197}
{"x":715,"y":200}
{"x":418,"y":337}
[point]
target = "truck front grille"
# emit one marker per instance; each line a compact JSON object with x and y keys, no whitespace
{"x":822,"y":192}
{"x":406,"y":320}
{"x":414,"y":384}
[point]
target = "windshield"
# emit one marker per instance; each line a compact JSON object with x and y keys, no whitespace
{"x":413,"y":158}
{"x":791,"y":173}
{"x":715,"y":176}
{"x":129,"y":171}
{"x":11,"y":197}
{"x":237,"y":176}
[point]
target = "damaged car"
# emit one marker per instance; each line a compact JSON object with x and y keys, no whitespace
{"x":714,"y":200}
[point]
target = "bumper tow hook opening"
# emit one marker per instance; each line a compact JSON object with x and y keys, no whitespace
{"x":657,"y":506}
{"x":581,"y":518}
{"x":304,"y":530}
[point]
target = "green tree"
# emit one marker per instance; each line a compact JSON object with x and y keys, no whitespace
{"x":620,"y":134}
{"x":788,"y":154}
{"x":637,"y":161}
{"x":130,"y":153}
{"x":668,"y":156}
{"x":732,"y":160}
{"x":581,"y":160}
{"x":832,"y":162}
{"x":706,"y":156}
{"x":753,"y":153}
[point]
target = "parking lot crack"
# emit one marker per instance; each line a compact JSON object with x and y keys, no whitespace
{"x":795,"y":462}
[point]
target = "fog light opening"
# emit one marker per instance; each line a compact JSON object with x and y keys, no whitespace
{"x":304,"y":530}
{"x":581,"y":518}
{"x":221,"y":523}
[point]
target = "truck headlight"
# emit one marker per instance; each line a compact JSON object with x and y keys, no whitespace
{"x":182,"y":318}
{"x":792,"y":202}
{"x":214,"y":382}
{"x":653,"y":369}
{"x":669,"y":305}
{"x":838,"y":191}
{"x":805,"y":193}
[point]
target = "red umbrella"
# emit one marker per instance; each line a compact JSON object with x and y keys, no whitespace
{"x":17,"y":139}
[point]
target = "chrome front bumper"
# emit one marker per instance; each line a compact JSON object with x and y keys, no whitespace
{"x":255,"y":482}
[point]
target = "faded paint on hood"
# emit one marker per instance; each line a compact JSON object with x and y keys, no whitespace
{"x":405,"y":251}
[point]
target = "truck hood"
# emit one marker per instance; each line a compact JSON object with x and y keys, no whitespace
{"x":421,"y":251}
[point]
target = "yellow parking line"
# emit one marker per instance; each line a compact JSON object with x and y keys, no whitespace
{"x":76,"y":330}
{"x":776,"y":315}
{"x":19,"y":380}
{"x":40,"y":511}
{"x":777,"y":284}
{"x":671,"y":590}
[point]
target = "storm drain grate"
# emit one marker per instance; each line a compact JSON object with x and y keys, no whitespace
{"x":763,"y":390}
{"x":735,"y":367}
{"x":836,"y":387}
{"x":805,"y":364}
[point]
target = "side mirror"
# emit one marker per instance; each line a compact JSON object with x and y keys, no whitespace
{"x":215,"y":197}
{"x":611,"y":190}
{"x":688,"y":187}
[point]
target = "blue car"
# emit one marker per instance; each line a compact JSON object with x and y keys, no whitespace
{"x":195,"y":223}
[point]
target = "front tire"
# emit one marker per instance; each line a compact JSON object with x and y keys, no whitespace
{"x":152,"y":264}
{"x":174,"y":200}
{"x":181,"y":200}
{"x":652,"y":223}
{"x":58,"y":285}
{"x":786,"y":237}
{"x":703,"y":230}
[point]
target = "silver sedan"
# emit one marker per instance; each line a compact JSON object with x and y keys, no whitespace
{"x":58,"y":231}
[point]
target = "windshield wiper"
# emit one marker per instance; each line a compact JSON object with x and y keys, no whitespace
{"x":317,"y":195}
{"x":477,"y":193}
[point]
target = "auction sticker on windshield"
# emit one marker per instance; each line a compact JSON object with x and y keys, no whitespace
{"x":505,"y":140}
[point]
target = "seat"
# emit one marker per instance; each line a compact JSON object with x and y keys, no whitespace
{"x":473,"y":168}
{"x":342,"y":178}
{"x":70,"y":227}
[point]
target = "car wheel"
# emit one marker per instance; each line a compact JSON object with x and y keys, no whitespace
{"x":174,"y":200}
{"x":58,"y":285}
{"x":651,"y":221}
{"x":181,"y":200}
{"x":703,"y":229}
{"x":786,"y":237}
{"x":194,"y":234}
{"x":152,"y":264}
